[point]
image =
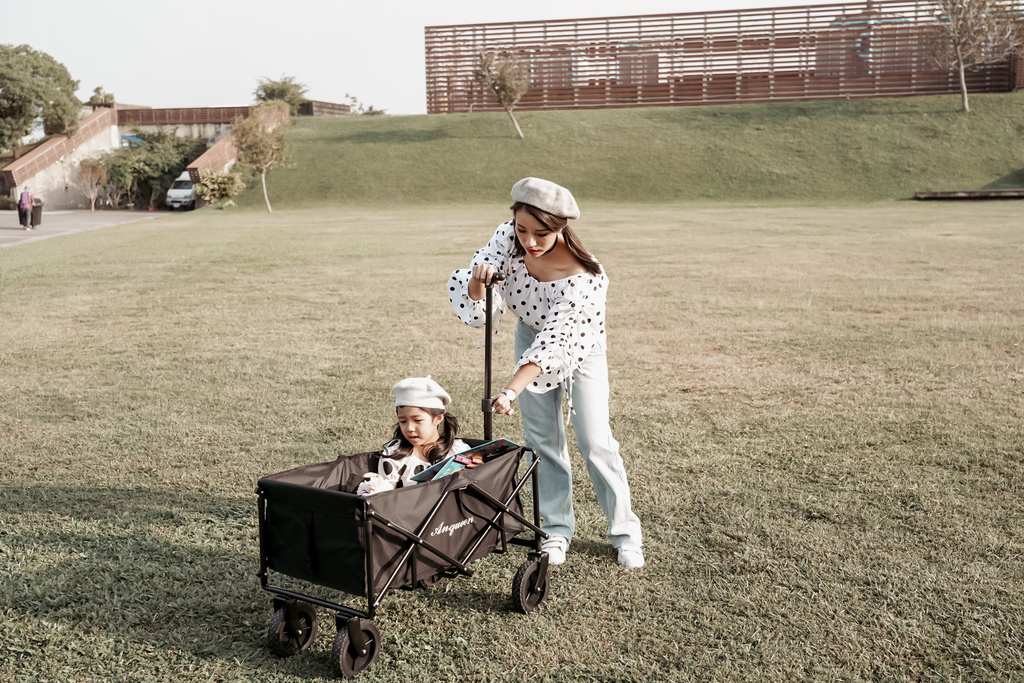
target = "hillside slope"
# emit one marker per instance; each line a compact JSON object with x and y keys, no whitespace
{"x":845,"y":151}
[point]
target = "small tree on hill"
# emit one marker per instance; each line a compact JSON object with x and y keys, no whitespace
{"x":260,"y":141}
{"x":92,"y":177}
{"x":507,"y":77}
{"x":286,"y":90}
{"x":358,"y":108}
{"x":217,"y":187}
{"x":971,"y":33}
{"x":100,"y":97}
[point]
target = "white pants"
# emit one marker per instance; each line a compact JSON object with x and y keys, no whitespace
{"x":544,"y":427}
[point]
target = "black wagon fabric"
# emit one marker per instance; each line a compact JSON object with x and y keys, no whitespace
{"x":315,"y":526}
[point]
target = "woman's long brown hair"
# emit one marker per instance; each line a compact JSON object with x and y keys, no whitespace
{"x":558,"y":225}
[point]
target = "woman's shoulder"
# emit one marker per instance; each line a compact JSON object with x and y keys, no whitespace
{"x":500,"y":246}
{"x":505,"y":232}
{"x":579,"y":283}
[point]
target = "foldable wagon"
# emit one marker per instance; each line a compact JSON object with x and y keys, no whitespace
{"x":313,"y":527}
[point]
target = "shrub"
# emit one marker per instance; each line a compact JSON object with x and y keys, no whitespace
{"x":217,"y":187}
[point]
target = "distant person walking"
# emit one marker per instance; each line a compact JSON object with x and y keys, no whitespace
{"x":25,"y":207}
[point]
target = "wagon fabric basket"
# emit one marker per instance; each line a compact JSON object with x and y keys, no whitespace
{"x":313,"y":528}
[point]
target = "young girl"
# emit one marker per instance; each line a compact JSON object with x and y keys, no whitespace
{"x":425,"y":434}
{"x":557,"y":289}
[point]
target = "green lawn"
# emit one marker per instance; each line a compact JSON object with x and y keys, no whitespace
{"x":819,"y":408}
{"x":846,"y":151}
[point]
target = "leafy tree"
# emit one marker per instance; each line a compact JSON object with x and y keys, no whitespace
{"x":971,"y":33}
{"x":216,"y":187}
{"x":507,"y":77}
{"x":100,"y":96}
{"x":358,"y":108}
{"x":143,"y":173}
{"x":285,"y":90}
{"x":120,"y":176}
{"x":33,"y":85}
{"x":260,"y":142}
{"x":92,"y":176}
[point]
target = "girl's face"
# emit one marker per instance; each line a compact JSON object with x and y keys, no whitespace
{"x":537,"y":239}
{"x":418,"y":426}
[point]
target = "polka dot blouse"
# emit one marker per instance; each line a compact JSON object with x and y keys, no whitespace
{"x":567,"y":314}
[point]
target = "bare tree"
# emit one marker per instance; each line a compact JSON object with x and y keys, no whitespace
{"x":507,"y":77}
{"x":971,"y":33}
{"x":92,"y":177}
{"x":259,"y":139}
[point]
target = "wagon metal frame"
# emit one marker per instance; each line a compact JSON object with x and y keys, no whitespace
{"x":313,"y":529}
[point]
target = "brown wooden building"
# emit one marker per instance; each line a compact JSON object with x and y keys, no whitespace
{"x":862,"y":49}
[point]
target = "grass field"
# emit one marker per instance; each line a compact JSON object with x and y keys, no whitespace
{"x":819,"y":408}
{"x":805,"y":152}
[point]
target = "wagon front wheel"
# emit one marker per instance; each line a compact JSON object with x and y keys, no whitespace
{"x":526,"y":596}
{"x":348,"y":657}
{"x":287,"y":637}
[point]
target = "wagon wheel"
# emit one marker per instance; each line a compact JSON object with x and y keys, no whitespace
{"x":524,"y":597}
{"x":347,"y":660}
{"x":285,"y":640}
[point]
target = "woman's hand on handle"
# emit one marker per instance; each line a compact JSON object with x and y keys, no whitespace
{"x":483,"y":273}
{"x":502,"y":404}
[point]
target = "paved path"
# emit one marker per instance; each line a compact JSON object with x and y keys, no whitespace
{"x":56,"y":223}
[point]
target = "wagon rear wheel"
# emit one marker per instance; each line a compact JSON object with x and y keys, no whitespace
{"x":525,"y":596}
{"x":347,"y":658}
{"x":286,"y":639}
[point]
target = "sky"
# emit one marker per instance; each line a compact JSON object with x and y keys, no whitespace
{"x":186,"y":53}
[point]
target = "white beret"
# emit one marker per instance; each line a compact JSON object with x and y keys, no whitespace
{"x":420,"y":392}
{"x":546,"y":196}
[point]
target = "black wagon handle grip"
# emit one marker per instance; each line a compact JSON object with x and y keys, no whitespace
{"x":485,"y":404}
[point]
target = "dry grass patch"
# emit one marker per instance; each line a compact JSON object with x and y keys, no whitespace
{"x":819,"y":407}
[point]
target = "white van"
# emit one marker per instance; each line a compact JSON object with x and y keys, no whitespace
{"x":182,"y":193}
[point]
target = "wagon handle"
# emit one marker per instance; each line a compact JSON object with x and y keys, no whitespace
{"x":486,"y":405}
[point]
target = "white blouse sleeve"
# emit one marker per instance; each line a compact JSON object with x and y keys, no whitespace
{"x":497,"y":253}
{"x":567,"y":337}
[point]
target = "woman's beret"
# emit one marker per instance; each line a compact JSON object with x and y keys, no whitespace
{"x":546,"y":196}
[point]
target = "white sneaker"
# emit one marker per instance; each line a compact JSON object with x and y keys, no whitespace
{"x":631,"y":558}
{"x":555,"y":547}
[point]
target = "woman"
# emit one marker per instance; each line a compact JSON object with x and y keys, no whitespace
{"x":557,"y":290}
{"x":25,"y":202}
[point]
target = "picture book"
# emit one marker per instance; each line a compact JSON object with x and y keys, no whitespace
{"x":442,"y":468}
{"x":492,"y":449}
{"x":454,"y":463}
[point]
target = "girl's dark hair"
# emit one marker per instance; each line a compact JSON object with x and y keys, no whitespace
{"x":559,"y":225}
{"x":449,"y":428}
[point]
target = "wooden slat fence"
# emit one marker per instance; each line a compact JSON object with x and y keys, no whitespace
{"x":170,"y":117}
{"x":864,"y":49}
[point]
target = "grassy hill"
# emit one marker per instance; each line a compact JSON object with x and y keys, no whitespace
{"x":846,"y":151}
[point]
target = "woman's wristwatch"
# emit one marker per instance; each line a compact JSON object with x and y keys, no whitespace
{"x":510,"y":393}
